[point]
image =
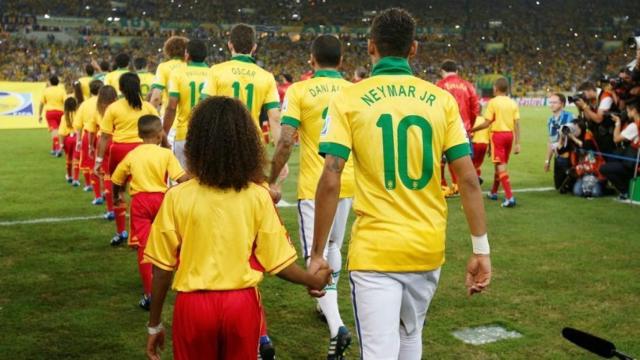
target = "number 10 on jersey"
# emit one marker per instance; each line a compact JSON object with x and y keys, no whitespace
{"x":385,"y":123}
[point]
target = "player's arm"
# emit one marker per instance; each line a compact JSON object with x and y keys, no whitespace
{"x":284,"y":148}
{"x":43,"y":102}
{"x":118,"y":193}
{"x":102,"y":149}
{"x":274,"y":124}
{"x":169,"y":117}
{"x":516,"y":133}
{"x":479,"y":265}
{"x":160,"y":286}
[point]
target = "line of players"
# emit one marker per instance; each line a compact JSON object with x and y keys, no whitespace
{"x":110,"y":131}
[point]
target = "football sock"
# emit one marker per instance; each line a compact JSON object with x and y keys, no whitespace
{"x":145,"y":272}
{"x":108,"y":188}
{"x":121,"y":218}
{"x":496,"y":183}
{"x":506,"y":184}
{"x":87,"y":177}
{"x":95,"y":183}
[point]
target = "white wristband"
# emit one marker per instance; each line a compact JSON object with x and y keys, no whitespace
{"x":480,"y":244}
{"x":155,"y":329}
{"x":98,"y":159}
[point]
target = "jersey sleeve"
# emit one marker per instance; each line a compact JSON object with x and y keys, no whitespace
{"x":516,"y":111}
{"x":164,"y":241}
{"x":106,"y":123}
{"x":291,"y":108}
{"x":335,"y":137}
{"x":456,"y":143}
{"x":272,"y":99}
{"x":160,"y":80}
{"x":273,"y":248}
{"x":209,"y":87}
{"x":174,"y":87}
{"x":122,"y":172}
{"x":490,"y":112}
{"x":174,"y":169}
{"x":79,"y":117}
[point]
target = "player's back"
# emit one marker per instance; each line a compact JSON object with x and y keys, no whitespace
{"x":85,"y":118}
{"x":464,"y":93}
{"x":305,"y":108}
{"x":504,"y":112}
{"x":113,"y":79}
{"x":54,"y":97}
{"x":187,"y":83}
{"x":242,"y":79}
{"x":146,"y":80}
{"x":149,"y":166}
{"x":84,"y":86}
{"x":398,"y":126}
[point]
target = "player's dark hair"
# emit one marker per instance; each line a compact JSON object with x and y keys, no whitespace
{"x":149,"y":126}
{"x":449,"y":66}
{"x":53,"y":79}
{"x":174,"y":46}
{"x":89,"y":69}
{"x":287,"y":77}
{"x":327,"y":50}
{"x":122,"y":60}
{"x":561,"y":97}
{"x":77,"y":92}
{"x":223,"y":148}
{"x":140,"y":63}
{"x":197,"y":50}
{"x":106,"y":96}
{"x":633,"y":103}
{"x":104,"y":66}
{"x":70,"y":106}
{"x":94,"y":87}
{"x":242,"y":37}
{"x":502,"y":85}
{"x":130,"y":89}
{"x":393,"y":31}
{"x":361,"y":72}
{"x":587,"y":85}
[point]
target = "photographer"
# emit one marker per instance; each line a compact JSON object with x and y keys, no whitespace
{"x":594,"y":103}
{"x":559,"y":118}
{"x":619,"y":172}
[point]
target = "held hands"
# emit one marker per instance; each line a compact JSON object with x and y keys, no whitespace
{"x":97,"y":169}
{"x":155,"y":344}
{"x":516,"y":149}
{"x":319,"y":269}
{"x":275,"y":192}
{"x":478,"y":273}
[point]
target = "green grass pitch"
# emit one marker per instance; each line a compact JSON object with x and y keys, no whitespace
{"x":558,"y":261}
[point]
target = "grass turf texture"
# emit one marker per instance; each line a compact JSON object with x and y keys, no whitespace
{"x":558,"y":261}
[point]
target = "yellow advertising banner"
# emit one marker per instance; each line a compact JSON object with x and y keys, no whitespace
{"x":19,"y":105}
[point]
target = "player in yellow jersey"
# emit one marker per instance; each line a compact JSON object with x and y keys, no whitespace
{"x":185,"y":84}
{"x":102,"y":69}
{"x":52,"y":104}
{"x":86,"y":127}
{"x":397,"y":127}
{"x":303,"y":112}
{"x":174,"y":49}
{"x":219,"y":233}
{"x":146,"y":78}
{"x":122,"y":66}
{"x":242,"y":79}
{"x":68,"y":138}
{"x":503,"y":118}
{"x":83,"y":84}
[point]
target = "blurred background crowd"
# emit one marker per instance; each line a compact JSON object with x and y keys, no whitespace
{"x":547,"y":52}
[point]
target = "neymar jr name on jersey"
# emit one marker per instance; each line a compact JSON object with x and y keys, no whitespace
{"x":378,"y":93}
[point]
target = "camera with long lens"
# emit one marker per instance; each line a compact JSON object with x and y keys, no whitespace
{"x":571,"y":128}
{"x":624,"y":117}
{"x":634,"y":41}
{"x":575,"y":97}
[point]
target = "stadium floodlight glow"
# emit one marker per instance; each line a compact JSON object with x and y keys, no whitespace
{"x":144,"y":13}
{"x":457,"y":26}
{"x":109,"y":18}
{"x":87,"y":7}
{"x":575,"y":34}
{"x":46,"y":16}
{"x":537,"y":2}
{"x":116,"y":19}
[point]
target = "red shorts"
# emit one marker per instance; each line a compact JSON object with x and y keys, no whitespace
{"x":69,"y":146}
{"x":144,"y":208}
{"x":216,"y":325}
{"x":86,"y":161}
{"x":479,"y":152}
{"x":53,"y":119}
{"x":501,"y":142}
{"x":117,"y":152}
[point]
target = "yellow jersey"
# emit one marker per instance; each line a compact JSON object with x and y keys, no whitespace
{"x":65,"y":130}
{"x":148,"y":165}
{"x":503,"y":113}
{"x":113,"y":79}
{"x":146,"y":81}
{"x":397,"y":126}
{"x":84,"y":118}
{"x":100,"y":76}
{"x":242,"y":79}
{"x":121,"y":120}
{"x":53,"y":98}
{"x":84,"y":85}
{"x":305,"y":107}
{"x":163,"y":73}
{"x":480,"y":136}
{"x":186,"y":84}
{"x":212,"y":236}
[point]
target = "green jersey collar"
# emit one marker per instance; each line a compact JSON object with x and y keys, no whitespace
{"x":197,"y":64}
{"x":392,"y":65}
{"x":244,"y":58}
{"x":330,"y":73}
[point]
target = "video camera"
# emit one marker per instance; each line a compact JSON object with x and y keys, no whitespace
{"x":575,"y":97}
{"x":624,"y":117}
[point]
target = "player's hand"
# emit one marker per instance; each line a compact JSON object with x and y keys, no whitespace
{"x":40,"y":120}
{"x":92,"y":152}
{"x":284,"y":173}
{"x":165,"y":142}
{"x":478,"y":273}
{"x":78,"y":146}
{"x":155,"y":343}
{"x":97,"y":169}
{"x":316,"y":265}
{"x":275,"y":192}
{"x":546,"y":166}
{"x":119,"y":202}
{"x":516,"y":149}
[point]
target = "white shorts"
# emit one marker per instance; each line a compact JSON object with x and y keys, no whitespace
{"x":390,"y":310}
{"x":178,"y":151}
{"x":306,"y":216}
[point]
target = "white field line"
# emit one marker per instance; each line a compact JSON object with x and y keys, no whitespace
{"x":281,"y":204}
